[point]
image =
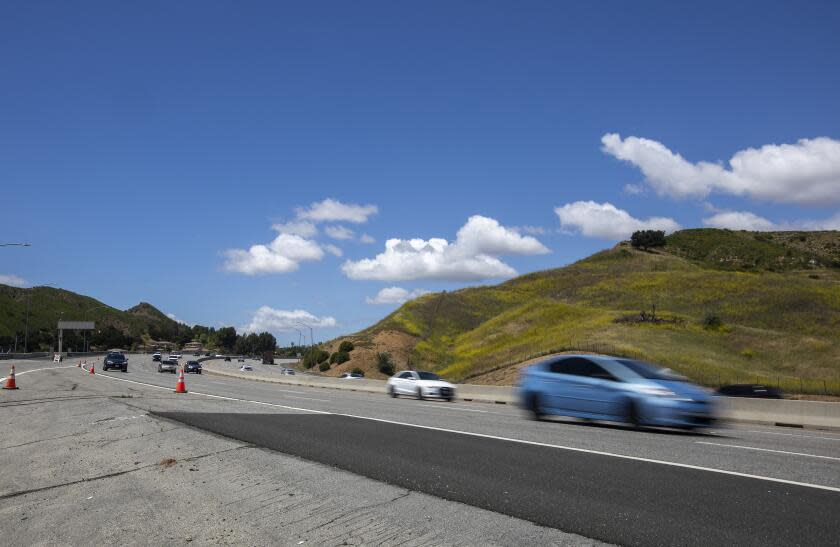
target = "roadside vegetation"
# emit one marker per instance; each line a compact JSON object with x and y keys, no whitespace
{"x":715,"y":305}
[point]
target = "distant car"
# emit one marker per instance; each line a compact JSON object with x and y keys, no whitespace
{"x":192,"y":366}
{"x":246,"y":368}
{"x":175,"y":355}
{"x":351,"y":376}
{"x":615,"y":389}
{"x":227,"y":358}
{"x":288,"y":371}
{"x":168,"y":365}
{"x":757,"y":391}
{"x":156,"y":357}
{"x":420,"y":384}
{"x":208,"y":354}
{"x":115,"y":360}
{"x":241,"y":360}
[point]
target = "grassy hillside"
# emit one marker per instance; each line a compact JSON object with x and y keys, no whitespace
{"x":49,"y":305}
{"x":728,"y":306}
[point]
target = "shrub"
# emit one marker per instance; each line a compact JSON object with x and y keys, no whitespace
{"x":712,"y":321}
{"x":322,"y":356}
{"x":645,"y":239}
{"x":310,"y":359}
{"x":385,"y":364}
{"x":357,"y":370}
{"x":748,"y":353}
{"x":341,"y":357}
{"x":325,"y":366}
{"x":333,"y":357}
{"x":346,"y":346}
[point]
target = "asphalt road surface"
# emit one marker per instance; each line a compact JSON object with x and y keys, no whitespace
{"x":745,"y":484}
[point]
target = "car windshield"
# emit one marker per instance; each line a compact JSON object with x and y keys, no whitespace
{"x":651,"y":372}
{"x":115,"y":356}
{"x":428,"y":376}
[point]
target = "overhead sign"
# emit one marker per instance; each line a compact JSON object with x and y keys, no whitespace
{"x":75,"y":325}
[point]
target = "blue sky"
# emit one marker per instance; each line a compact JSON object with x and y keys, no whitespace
{"x":144,"y":149}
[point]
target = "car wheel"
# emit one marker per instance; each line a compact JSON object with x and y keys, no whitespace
{"x":535,"y":407}
{"x":392,"y":392}
{"x":631,"y":414}
{"x":125,"y":369}
{"x":160,"y":369}
{"x":104,"y":368}
{"x":419,"y":393}
{"x":449,"y":399}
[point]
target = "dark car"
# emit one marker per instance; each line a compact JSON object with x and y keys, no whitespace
{"x":227,"y":358}
{"x":115,"y":360}
{"x":156,"y":357}
{"x":757,"y":391}
{"x":193,"y":366}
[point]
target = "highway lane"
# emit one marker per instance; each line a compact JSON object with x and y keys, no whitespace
{"x":793,"y":455}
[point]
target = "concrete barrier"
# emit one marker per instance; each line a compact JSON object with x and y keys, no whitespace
{"x":785,"y":412}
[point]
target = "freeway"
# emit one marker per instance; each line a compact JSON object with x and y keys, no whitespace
{"x":745,"y":484}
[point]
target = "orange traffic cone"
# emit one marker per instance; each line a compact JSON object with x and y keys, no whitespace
{"x":180,"y":387}
{"x":91,"y":369}
{"x":10,"y":380}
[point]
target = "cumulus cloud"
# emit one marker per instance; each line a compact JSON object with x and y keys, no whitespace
{"x":300,"y":228}
{"x":331,"y":210}
{"x":333,"y":250}
{"x":282,"y":255}
{"x":472,"y":256}
{"x":12,"y":280}
{"x":806,"y":173}
{"x":395,"y":295}
{"x":367,"y":239}
{"x":268,"y":319}
{"x":606,"y":221}
{"x":745,"y":220}
{"x":339,"y":232}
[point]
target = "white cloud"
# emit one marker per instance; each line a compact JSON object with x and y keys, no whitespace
{"x":806,"y":173}
{"x":268,"y":319}
{"x":395,"y":295}
{"x":177,"y":319}
{"x":301,"y":228}
{"x":634,"y":189}
{"x":530,"y":230}
{"x":367,"y":239}
{"x":339,"y":232}
{"x":739,"y":220}
{"x":606,"y":221}
{"x":333,"y":250}
{"x":472,"y":256}
{"x":745,"y":220}
{"x":282,"y":255}
{"x":331,"y":210}
{"x":12,"y":280}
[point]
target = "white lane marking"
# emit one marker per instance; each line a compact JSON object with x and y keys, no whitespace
{"x":520,"y":441}
{"x":769,"y":450}
{"x":444,"y":406}
{"x":3,"y":379}
{"x":790,"y":434}
{"x":308,"y":398}
{"x":601,"y":453}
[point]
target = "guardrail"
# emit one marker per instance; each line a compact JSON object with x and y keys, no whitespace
{"x":782,"y":412}
{"x":38,"y":355}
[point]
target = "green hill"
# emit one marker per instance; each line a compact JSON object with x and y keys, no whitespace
{"x":114,"y":327}
{"x":717,"y":305}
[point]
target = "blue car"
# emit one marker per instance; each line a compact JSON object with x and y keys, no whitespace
{"x":614,"y":389}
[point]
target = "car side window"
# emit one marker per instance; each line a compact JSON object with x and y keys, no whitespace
{"x":578,"y":366}
{"x":405,"y":375}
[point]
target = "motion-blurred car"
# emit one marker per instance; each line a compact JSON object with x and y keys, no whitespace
{"x":192,"y":366}
{"x":115,"y":360}
{"x":246,"y":368}
{"x":757,"y":391}
{"x":420,"y":384}
{"x":156,"y":357}
{"x":175,"y":355}
{"x":288,"y":371}
{"x":227,"y":359}
{"x":168,"y":365}
{"x":240,"y":360}
{"x":606,"y":388}
{"x":351,"y":376}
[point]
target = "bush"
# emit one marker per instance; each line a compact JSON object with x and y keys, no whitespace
{"x":333,"y":357}
{"x":325,"y":366}
{"x":321,"y":356}
{"x":357,"y":370}
{"x":385,"y":364}
{"x":645,"y":239}
{"x":712,"y":321}
{"x":341,"y":357}
{"x":346,"y":346}
{"x":310,"y":359}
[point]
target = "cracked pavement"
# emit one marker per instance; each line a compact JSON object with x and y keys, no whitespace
{"x":85,"y":463}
